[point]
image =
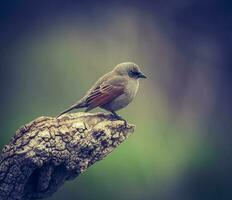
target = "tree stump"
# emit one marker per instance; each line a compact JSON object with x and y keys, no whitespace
{"x":45,"y":153}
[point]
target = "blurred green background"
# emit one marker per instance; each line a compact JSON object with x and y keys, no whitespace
{"x":53,"y":51}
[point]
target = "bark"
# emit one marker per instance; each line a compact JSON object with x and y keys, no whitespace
{"x":46,"y":152}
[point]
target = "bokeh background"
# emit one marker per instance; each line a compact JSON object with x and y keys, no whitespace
{"x":51,"y":52}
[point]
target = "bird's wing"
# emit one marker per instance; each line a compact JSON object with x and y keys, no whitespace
{"x":103,"y":94}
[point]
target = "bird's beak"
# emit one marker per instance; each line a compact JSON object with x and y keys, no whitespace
{"x":141,"y":75}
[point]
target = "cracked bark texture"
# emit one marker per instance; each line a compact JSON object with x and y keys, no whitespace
{"x":46,"y":152}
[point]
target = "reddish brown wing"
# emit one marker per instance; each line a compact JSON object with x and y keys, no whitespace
{"x":103,"y":95}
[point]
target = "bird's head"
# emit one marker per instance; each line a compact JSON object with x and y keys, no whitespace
{"x":129,"y":69}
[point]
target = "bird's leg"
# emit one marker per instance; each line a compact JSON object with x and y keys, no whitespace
{"x":118,"y":117}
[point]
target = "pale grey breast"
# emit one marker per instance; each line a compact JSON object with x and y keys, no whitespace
{"x":124,"y":99}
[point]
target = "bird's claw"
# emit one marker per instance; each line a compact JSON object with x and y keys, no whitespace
{"x":118,"y":117}
{"x":125,"y":122}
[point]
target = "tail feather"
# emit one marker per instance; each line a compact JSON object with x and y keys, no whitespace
{"x":75,"y":106}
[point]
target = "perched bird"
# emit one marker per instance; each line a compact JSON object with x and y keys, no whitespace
{"x":113,"y":91}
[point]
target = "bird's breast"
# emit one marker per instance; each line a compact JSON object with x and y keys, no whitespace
{"x":124,"y":99}
{"x":132,"y":88}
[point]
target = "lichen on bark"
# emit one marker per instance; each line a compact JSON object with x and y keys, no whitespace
{"x":45,"y":153}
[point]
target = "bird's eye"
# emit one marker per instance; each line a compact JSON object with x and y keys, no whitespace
{"x":133,"y":74}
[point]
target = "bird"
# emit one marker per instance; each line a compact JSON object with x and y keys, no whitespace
{"x":113,"y":91}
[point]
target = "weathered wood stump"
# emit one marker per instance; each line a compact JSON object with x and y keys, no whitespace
{"x":48,"y":151}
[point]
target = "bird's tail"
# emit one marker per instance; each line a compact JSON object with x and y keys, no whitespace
{"x":75,"y":106}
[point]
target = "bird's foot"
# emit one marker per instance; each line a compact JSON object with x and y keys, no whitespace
{"x":118,"y":117}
